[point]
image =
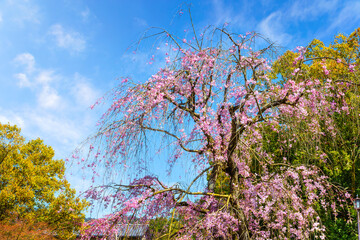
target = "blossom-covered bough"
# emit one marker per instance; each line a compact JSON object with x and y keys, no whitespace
{"x":215,"y":102}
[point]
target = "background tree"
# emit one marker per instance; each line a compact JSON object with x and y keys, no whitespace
{"x":33,"y":187}
{"x":15,"y":228}
{"x":338,"y":147}
{"x":214,"y":100}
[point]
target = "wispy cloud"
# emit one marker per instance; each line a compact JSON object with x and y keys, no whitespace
{"x":45,"y":84}
{"x":67,"y":39}
{"x":12,"y":118}
{"x":225,"y":14}
{"x":49,"y":97}
{"x":45,"y":76}
{"x":23,"y":80}
{"x":310,"y":9}
{"x":85,"y":14}
{"x":38,"y":80}
{"x":272,"y":28}
{"x":348,"y":16}
{"x":20,"y":12}
{"x":26,"y":59}
{"x":83,"y":92}
{"x":62,"y":129}
{"x":60,"y":113}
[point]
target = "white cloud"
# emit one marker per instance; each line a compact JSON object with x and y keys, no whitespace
{"x":63,"y":129}
{"x":26,"y":59}
{"x":49,"y":98}
{"x":19,"y":121}
{"x":23,"y":80}
{"x":20,"y":11}
{"x":54,"y":91}
{"x":4,"y":119}
{"x":12,"y":118}
{"x":38,"y":80}
{"x":85,"y":14}
{"x":83,"y":92}
{"x":70,"y":40}
{"x":45,"y":77}
{"x":1,"y":18}
{"x":272,"y":28}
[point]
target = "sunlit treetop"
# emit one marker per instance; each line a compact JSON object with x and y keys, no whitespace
{"x":33,"y":187}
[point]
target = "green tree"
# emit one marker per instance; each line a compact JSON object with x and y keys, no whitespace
{"x":338,"y":155}
{"x":32,"y":184}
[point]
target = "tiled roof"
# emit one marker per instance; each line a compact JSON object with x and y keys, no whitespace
{"x":128,"y":230}
{"x":132,"y":230}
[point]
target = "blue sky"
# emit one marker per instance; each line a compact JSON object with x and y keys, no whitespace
{"x":58,"y":57}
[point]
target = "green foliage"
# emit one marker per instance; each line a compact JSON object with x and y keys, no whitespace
{"x":159,"y":227}
{"x":33,"y":186}
{"x":338,"y":155}
{"x":340,"y":228}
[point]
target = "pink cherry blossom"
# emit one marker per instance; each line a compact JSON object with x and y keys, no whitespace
{"x":210,"y":106}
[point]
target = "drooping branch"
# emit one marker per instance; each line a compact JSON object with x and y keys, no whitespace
{"x":181,"y":144}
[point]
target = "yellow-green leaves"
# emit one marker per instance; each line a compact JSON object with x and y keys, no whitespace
{"x":32,"y":184}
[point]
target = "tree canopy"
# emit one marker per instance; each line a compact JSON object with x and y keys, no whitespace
{"x":221,"y":101}
{"x":33,"y":187}
{"x":339,"y":153}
